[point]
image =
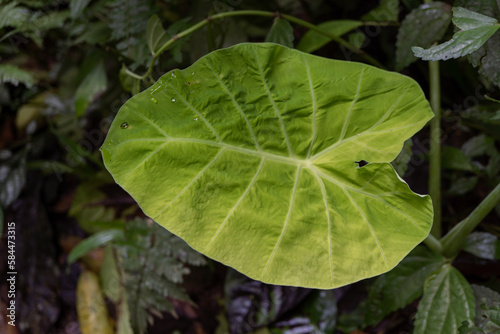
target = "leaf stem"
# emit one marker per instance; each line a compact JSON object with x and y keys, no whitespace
{"x":435,"y":149}
{"x":293,"y":19}
{"x":433,"y":244}
{"x":452,"y":242}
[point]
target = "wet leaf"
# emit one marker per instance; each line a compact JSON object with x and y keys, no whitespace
{"x":250,"y":156}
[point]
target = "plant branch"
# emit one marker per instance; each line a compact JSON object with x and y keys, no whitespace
{"x":452,"y":242}
{"x":435,"y":149}
{"x":293,"y":19}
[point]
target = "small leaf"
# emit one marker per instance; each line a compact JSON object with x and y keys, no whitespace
{"x":475,"y":30}
{"x":281,"y":32}
{"x":357,"y":39}
{"x":77,"y":7}
{"x":14,"y":75}
{"x":483,"y":245}
{"x":387,"y":10}
{"x":447,"y":301}
{"x":155,"y":34}
{"x":97,"y":240}
{"x":462,"y":185}
{"x":454,"y":158}
{"x":313,"y":40}
{"x":93,"y":85}
{"x":400,"y":286}
{"x":250,"y":155}
{"x":421,"y":27}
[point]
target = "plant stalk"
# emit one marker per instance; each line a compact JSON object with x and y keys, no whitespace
{"x":293,"y":19}
{"x":453,"y":241}
{"x":435,"y":147}
{"x":433,"y":244}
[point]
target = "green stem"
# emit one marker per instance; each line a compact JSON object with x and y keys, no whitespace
{"x":435,"y":149}
{"x":293,"y":19}
{"x":434,"y":244}
{"x":453,"y":241}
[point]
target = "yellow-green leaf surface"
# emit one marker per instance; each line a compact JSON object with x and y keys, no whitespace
{"x":250,"y":156}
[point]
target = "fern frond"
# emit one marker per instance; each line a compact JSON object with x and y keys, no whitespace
{"x":11,"y":15}
{"x":15,"y":76}
{"x":154,"y":262}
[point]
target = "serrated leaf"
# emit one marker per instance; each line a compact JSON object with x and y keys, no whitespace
{"x":400,"y":286}
{"x":281,"y":32}
{"x":483,"y":245}
{"x":421,"y":27}
{"x":447,"y":301}
{"x":387,"y":10}
{"x":156,"y":35}
{"x":475,"y":30}
{"x":250,"y":156}
{"x":153,"y":262}
{"x":313,"y":40}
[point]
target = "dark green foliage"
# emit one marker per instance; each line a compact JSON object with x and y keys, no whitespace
{"x":487,"y":58}
{"x":153,"y":262}
{"x":423,"y":26}
{"x":128,"y":23}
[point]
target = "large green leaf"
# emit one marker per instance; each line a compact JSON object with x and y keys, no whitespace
{"x":448,"y":300}
{"x":250,"y":156}
{"x":475,"y":30}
